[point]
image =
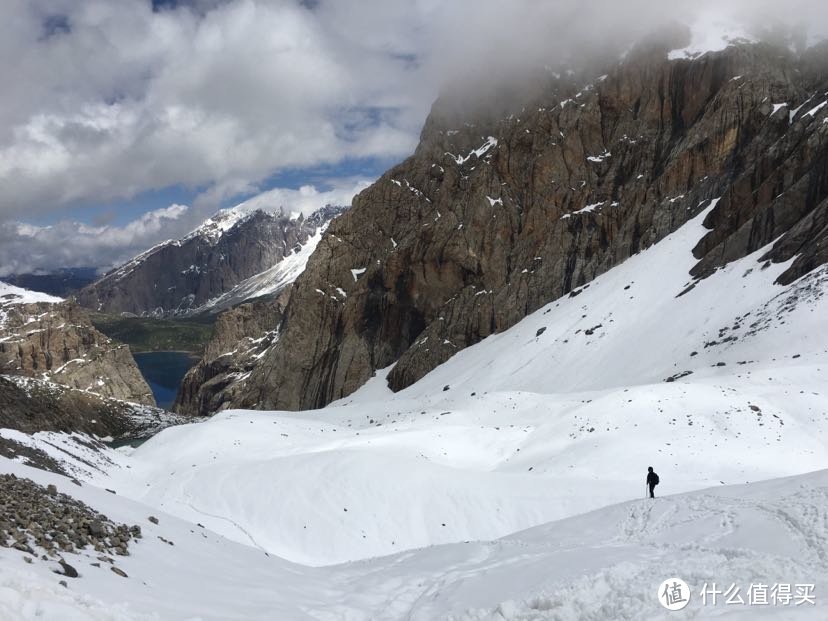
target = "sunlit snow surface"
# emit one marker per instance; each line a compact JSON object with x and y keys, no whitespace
{"x":557,"y":416}
{"x":602,"y":565}
{"x":9,"y":294}
{"x":270,"y":281}
{"x":533,"y":427}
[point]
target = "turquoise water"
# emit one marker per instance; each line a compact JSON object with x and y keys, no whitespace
{"x":164,"y":371}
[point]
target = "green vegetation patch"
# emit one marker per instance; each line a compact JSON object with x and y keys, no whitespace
{"x":145,"y":334}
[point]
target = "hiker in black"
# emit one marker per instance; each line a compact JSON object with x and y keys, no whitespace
{"x":652,"y":480}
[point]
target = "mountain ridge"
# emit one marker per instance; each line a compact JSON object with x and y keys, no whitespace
{"x":200,"y":272}
{"x":488,"y":221}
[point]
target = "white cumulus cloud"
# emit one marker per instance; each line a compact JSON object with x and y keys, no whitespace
{"x":105,"y":100}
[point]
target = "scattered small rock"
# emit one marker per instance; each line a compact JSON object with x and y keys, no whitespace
{"x":153,"y":519}
{"x":119,"y":571}
{"x":68,"y":570}
{"x":95,"y":528}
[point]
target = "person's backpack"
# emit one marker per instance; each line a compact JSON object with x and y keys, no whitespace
{"x":655,"y":479}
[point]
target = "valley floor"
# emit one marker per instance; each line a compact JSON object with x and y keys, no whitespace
{"x":607,"y":564}
{"x":506,"y":484}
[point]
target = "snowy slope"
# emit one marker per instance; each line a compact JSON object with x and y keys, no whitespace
{"x":268,"y":282}
{"x":215,"y":227}
{"x":9,"y":294}
{"x":559,"y":415}
{"x":603,"y":565}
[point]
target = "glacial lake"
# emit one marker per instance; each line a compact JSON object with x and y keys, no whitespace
{"x":164,"y":371}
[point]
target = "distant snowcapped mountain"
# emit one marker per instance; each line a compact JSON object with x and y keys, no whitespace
{"x":214,"y":228}
{"x":269,"y":282}
{"x":236,"y":255}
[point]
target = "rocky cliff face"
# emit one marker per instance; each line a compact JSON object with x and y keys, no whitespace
{"x":241,"y":336}
{"x":496,"y":215}
{"x":190,"y":275}
{"x":56,"y":342}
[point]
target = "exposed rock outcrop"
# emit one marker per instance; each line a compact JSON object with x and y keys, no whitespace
{"x":190,"y":275}
{"x":57,"y":342}
{"x":493,"y":217}
{"x":33,"y":405}
{"x":29,"y":407}
{"x":241,"y":337}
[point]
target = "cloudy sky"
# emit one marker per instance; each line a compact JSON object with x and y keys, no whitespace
{"x":126,"y":122}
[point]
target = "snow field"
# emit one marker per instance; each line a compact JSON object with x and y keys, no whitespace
{"x":16,"y":295}
{"x":606,"y":564}
{"x":534,"y":427}
{"x":540,"y":425}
